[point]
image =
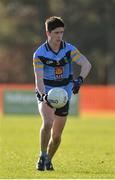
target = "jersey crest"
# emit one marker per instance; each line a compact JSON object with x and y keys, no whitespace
{"x":58,"y":72}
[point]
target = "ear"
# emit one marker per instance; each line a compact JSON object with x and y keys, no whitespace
{"x":48,"y":33}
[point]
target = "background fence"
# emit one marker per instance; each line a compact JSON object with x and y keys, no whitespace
{"x":97,"y":98}
{"x":91,"y":99}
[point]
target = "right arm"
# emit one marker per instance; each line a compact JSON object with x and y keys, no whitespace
{"x":39,"y":75}
{"x":39,"y":81}
{"x":39,"y":84}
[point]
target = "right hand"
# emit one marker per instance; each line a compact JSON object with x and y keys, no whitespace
{"x":45,"y":99}
{"x":42,"y":98}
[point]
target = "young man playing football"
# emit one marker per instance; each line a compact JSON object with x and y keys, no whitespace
{"x":52,"y":63}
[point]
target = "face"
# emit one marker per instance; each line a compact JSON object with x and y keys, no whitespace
{"x":55,"y":35}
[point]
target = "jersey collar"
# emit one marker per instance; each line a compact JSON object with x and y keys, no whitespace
{"x":48,"y":48}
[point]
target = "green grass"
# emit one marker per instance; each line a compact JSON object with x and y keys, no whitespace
{"x":87,"y":149}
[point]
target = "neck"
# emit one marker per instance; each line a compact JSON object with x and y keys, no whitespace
{"x":54,"y":46}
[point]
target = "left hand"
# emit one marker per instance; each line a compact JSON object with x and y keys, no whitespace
{"x":76,"y":84}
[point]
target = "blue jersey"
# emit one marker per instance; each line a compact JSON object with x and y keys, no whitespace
{"x":57,"y":67}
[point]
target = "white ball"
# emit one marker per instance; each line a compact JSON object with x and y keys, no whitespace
{"x":57,"y":97}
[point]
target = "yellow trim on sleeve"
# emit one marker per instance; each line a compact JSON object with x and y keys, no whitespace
{"x":74,"y":52}
{"x":37,"y":66}
{"x":76,"y":57}
{"x":36,"y":60}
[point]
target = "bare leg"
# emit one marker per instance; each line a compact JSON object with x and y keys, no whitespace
{"x":44,"y":138}
{"x":50,"y":136}
{"x":47,"y":115}
{"x":56,"y":133}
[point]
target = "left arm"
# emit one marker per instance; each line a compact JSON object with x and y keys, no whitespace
{"x":81,"y":60}
{"x":85,"y":66}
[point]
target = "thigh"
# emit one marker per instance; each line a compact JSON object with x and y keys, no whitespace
{"x":46,"y":112}
{"x":58,"y":125}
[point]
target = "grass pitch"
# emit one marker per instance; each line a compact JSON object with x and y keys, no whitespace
{"x":87,"y":149}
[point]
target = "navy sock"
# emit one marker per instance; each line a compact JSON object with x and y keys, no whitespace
{"x":43,"y":153}
{"x":48,"y":159}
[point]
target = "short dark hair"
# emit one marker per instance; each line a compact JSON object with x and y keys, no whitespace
{"x":53,"y":22}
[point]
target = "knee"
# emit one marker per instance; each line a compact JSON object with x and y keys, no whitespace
{"x":56,"y":138}
{"x":47,"y":126}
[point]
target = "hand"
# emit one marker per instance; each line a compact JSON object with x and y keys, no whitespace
{"x":76,"y":84}
{"x":42,"y":98}
{"x":45,"y":99}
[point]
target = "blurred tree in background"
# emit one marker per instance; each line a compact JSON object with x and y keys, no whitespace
{"x":90,"y":26}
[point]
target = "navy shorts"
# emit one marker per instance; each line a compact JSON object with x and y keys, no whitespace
{"x":62,"y":111}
